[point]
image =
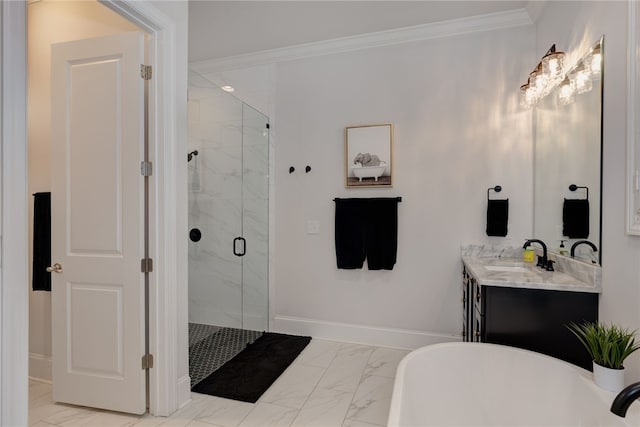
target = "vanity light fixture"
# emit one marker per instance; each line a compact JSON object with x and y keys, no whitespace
{"x":550,"y":73}
{"x":543,"y":79}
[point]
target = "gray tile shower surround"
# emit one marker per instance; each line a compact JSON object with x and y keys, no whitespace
{"x":210,"y":347}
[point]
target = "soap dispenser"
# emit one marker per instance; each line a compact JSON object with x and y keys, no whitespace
{"x":562,"y":250}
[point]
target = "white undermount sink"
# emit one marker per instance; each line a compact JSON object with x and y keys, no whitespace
{"x":506,"y":268}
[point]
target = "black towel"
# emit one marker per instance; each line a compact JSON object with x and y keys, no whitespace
{"x":497,"y":217}
{"x":366,"y":228}
{"x":575,"y":218}
{"x":350,"y":233}
{"x":382,"y":233}
{"x":41,"y":279}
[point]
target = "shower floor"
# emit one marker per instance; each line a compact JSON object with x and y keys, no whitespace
{"x":210,"y":347}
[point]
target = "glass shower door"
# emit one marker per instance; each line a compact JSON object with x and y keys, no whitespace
{"x":255,"y":219}
{"x":228,"y":209}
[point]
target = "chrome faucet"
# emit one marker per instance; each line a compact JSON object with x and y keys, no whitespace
{"x":541,"y":262}
{"x":624,"y":399}
{"x":582,"y":242}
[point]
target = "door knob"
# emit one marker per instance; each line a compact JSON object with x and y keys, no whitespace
{"x":55,"y":268}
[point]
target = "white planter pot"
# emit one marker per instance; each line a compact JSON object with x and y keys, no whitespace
{"x":607,"y":378}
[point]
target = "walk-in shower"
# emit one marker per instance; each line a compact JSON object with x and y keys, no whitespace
{"x":228,"y":184}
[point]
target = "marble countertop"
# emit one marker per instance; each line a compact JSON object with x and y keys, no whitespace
{"x":529,"y":276}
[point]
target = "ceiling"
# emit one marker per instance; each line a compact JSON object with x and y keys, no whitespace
{"x":220,"y":29}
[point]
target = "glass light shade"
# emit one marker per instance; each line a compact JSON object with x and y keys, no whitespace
{"x":565,"y":94}
{"x":526,"y":100}
{"x":581,"y":82}
{"x":537,"y":84}
{"x":593,"y":63}
{"x":540,"y":81}
{"x":553,"y":65}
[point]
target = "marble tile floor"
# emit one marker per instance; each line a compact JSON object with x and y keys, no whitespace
{"x":330,"y":384}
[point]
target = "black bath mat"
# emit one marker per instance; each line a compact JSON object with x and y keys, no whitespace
{"x":249,"y":374}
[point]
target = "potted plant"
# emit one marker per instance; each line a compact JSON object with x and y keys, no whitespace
{"x":608,"y":346}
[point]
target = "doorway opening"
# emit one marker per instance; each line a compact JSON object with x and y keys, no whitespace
{"x":85,"y":122}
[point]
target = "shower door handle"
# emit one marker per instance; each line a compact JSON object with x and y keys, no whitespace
{"x":235,"y":246}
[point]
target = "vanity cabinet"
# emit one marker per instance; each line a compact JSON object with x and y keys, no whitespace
{"x":532,"y":319}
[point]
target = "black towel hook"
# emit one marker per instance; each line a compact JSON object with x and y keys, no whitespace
{"x":497,"y":189}
{"x":574,"y":187}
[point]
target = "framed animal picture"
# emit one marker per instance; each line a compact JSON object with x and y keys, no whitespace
{"x":369,"y":155}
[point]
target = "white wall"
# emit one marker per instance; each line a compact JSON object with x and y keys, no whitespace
{"x":51,"y":22}
{"x":458,"y":131}
{"x":574,"y":27}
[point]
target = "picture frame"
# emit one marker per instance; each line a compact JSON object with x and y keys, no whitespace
{"x":369,"y":156}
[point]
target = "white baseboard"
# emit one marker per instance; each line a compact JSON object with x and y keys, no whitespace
{"x":184,"y":391}
{"x":370,"y":335}
{"x":40,"y":367}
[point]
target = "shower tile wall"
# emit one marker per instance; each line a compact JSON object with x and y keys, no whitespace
{"x":226,"y":290}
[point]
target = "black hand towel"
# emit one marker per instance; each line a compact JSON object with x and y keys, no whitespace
{"x":575,"y":218}
{"x":497,"y":217}
{"x":41,"y":279}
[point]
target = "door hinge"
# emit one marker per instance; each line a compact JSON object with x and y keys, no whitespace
{"x":268,"y":126}
{"x":147,"y":361}
{"x":146,"y":168}
{"x":145,"y":72}
{"x":146,"y":265}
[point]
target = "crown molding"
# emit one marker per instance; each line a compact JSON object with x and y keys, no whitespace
{"x":454,"y":27}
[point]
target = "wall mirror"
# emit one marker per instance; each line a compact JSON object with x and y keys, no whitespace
{"x":633,"y":130}
{"x":368,"y":155}
{"x":568,"y":153}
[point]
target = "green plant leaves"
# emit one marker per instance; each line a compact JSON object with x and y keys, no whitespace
{"x":608,"y":345}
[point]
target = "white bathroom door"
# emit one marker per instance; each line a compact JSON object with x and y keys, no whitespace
{"x":97,"y":222}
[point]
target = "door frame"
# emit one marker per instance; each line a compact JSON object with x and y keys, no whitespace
{"x":168,"y":210}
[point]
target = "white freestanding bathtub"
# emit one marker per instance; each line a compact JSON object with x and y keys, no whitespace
{"x":474,"y":384}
